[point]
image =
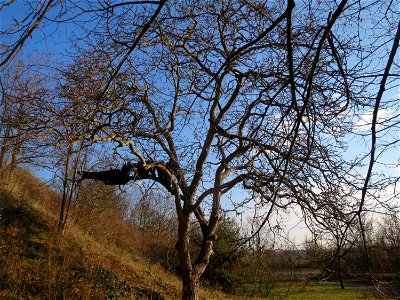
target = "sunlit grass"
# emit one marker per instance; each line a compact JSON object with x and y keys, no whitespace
{"x":318,"y":291}
{"x":36,"y":263}
{"x":302,"y":291}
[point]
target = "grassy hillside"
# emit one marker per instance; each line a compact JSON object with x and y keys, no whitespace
{"x":36,"y":263}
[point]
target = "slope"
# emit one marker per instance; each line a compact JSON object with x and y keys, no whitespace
{"x":37,"y":263}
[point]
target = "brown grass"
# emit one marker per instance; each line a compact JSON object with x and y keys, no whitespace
{"x":101,"y":261}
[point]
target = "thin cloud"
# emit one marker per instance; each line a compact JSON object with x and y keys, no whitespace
{"x":365,"y":120}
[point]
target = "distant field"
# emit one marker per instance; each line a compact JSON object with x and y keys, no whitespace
{"x":318,"y":291}
{"x":311,"y":291}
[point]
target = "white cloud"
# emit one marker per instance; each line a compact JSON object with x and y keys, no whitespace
{"x":365,"y":119}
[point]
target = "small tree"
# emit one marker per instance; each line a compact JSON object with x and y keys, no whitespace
{"x":23,"y":118}
{"x":387,"y":245}
{"x":152,"y":211}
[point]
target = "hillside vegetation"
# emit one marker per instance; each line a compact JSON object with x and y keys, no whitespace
{"x":37,"y":263}
{"x":100,"y":257}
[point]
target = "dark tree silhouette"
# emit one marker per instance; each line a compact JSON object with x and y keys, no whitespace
{"x":112,"y":176}
{"x":157,"y":172}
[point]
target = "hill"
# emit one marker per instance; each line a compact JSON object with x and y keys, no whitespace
{"x":38,"y":263}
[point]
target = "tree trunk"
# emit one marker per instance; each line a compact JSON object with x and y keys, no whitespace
{"x":3,"y":151}
{"x":341,"y":273}
{"x":16,"y":150}
{"x":190,"y":288}
{"x":190,"y":278}
{"x":5,"y":145}
{"x":62,"y":221}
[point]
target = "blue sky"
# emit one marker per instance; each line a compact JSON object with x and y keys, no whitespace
{"x":55,"y":41}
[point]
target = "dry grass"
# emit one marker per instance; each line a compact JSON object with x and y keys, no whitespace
{"x":104,"y":262}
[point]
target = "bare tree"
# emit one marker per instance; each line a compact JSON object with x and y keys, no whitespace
{"x":16,"y":31}
{"x":227,"y":96}
{"x":153,"y":211}
{"x":23,"y":118}
{"x":71,"y":122}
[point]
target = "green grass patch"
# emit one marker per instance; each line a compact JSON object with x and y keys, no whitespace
{"x":320,"y":291}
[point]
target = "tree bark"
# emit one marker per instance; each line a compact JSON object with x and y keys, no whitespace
{"x":16,"y":150}
{"x":190,"y":278}
{"x":4,"y":146}
{"x":190,"y":288}
{"x":341,"y":273}
{"x":3,"y":149}
{"x":62,"y":220}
